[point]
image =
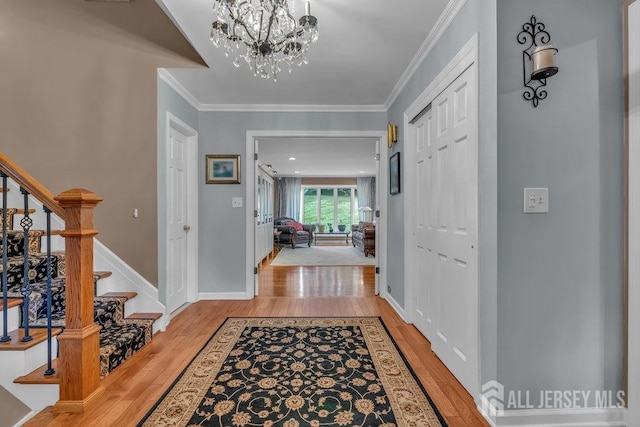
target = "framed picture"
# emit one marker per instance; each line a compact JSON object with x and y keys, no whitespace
{"x":394,"y":174}
{"x":222,"y":169}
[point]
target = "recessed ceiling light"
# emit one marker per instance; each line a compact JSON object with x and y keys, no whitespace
{"x":296,"y":172}
{"x":361,"y":171}
{"x":292,"y":158}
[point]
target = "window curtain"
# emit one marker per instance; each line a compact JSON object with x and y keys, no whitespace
{"x":367,"y":195}
{"x":288,"y":198}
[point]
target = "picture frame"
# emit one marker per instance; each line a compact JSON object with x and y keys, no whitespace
{"x":222,"y":169}
{"x":394,"y":174}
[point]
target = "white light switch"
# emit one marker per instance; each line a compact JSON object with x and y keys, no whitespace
{"x":236,"y":202}
{"x":135,"y":213}
{"x":536,"y":200}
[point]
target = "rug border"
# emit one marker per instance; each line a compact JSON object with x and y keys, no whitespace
{"x":386,"y":329}
{"x":322,"y":265}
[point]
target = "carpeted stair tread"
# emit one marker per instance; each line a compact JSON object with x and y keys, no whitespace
{"x":120,"y":341}
{"x":38,"y":376}
{"x":38,"y":335}
{"x":119,"y":337}
{"x":37,"y":270}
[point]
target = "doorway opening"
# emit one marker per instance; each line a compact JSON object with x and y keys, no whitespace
{"x":251,"y":166}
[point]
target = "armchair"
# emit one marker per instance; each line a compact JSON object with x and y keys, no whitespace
{"x":292,"y":236}
{"x":363,"y":236}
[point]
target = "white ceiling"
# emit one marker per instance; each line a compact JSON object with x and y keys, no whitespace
{"x":365,"y":49}
{"x":316,"y":157}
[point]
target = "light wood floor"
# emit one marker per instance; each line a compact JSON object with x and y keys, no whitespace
{"x":133,"y":388}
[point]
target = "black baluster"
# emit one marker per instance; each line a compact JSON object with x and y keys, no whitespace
{"x":25,"y":288}
{"x":50,"y":370}
{"x":5,"y":331}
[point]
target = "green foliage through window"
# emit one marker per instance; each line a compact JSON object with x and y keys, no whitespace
{"x":330,"y":205}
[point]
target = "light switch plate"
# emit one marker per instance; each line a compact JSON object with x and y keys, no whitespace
{"x":536,"y":200}
{"x":236,"y":202}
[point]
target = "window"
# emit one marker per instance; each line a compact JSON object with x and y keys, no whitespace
{"x":330,"y":205}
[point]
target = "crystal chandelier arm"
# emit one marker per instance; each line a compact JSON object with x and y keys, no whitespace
{"x":232,"y":35}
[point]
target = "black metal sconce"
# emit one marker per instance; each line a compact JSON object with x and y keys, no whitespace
{"x":541,"y":55}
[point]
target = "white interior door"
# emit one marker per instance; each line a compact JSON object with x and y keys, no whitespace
{"x":177,"y":218}
{"x":446,"y":227}
{"x":426,"y":299}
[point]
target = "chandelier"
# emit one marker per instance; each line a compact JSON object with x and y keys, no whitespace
{"x":263,"y":33}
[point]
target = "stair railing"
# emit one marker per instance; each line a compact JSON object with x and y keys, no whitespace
{"x":79,"y":343}
{"x":5,"y":303}
{"x":26,"y":286}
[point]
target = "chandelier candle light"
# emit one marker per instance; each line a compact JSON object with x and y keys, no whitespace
{"x":264,"y":33}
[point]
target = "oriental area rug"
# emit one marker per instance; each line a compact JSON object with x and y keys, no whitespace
{"x":322,"y":255}
{"x":297,"y":372}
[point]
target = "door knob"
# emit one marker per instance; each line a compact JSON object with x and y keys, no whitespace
{"x":186,"y":228}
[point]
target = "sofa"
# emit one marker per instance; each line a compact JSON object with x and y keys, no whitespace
{"x":363,"y":236}
{"x":293,"y":233}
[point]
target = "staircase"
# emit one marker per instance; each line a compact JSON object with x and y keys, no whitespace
{"x":37,"y":370}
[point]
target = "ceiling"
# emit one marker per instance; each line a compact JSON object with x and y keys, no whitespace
{"x":317,"y":157}
{"x":364,"y":51}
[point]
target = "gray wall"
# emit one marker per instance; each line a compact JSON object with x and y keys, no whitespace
{"x":12,"y":409}
{"x":477,"y":16}
{"x":560,"y":274}
{"x":222,"y":245}
{"x":168,"y":101}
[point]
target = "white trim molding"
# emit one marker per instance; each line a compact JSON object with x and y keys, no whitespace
{"x":167,"y":77}
{"x":633,"y":307}
{"x":448,"y":15}
{"x":394,"y":304}
{"x":586,"y":417}
{"x":294,"y":108}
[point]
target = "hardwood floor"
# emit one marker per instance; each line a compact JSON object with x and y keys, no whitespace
{"x":133,"y":388}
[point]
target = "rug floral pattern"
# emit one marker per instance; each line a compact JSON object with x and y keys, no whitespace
{"x":295,"y":372}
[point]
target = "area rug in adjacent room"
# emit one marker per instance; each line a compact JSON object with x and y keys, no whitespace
{"x":322,"y":255}
{"x":297,"y":372}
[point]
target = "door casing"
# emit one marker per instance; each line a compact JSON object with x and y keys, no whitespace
{"x":191,"y":159}
{"x":382,"y":186}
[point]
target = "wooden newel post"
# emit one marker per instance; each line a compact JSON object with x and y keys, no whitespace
{"x":80,"y":342}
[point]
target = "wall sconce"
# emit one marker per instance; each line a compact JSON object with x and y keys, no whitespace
{"x":540,"y":55}
{"x":392,"y":134}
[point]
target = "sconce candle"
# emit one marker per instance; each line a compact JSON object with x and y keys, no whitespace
{"x":543,"y":62}
{"x":538,"y":58}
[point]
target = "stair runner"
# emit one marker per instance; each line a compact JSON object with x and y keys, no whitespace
{"x":119,"y":337}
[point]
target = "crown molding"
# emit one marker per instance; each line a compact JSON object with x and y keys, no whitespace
{"x":294,"y":108}
{"x":448,"y":15}
{"x":167,"y":77}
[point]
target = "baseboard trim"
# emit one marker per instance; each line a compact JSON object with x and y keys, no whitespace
{"x":26,"y":418}
{"x":587,"y":417}
{"x":394,"y":304}
{"x":224,"y":296}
